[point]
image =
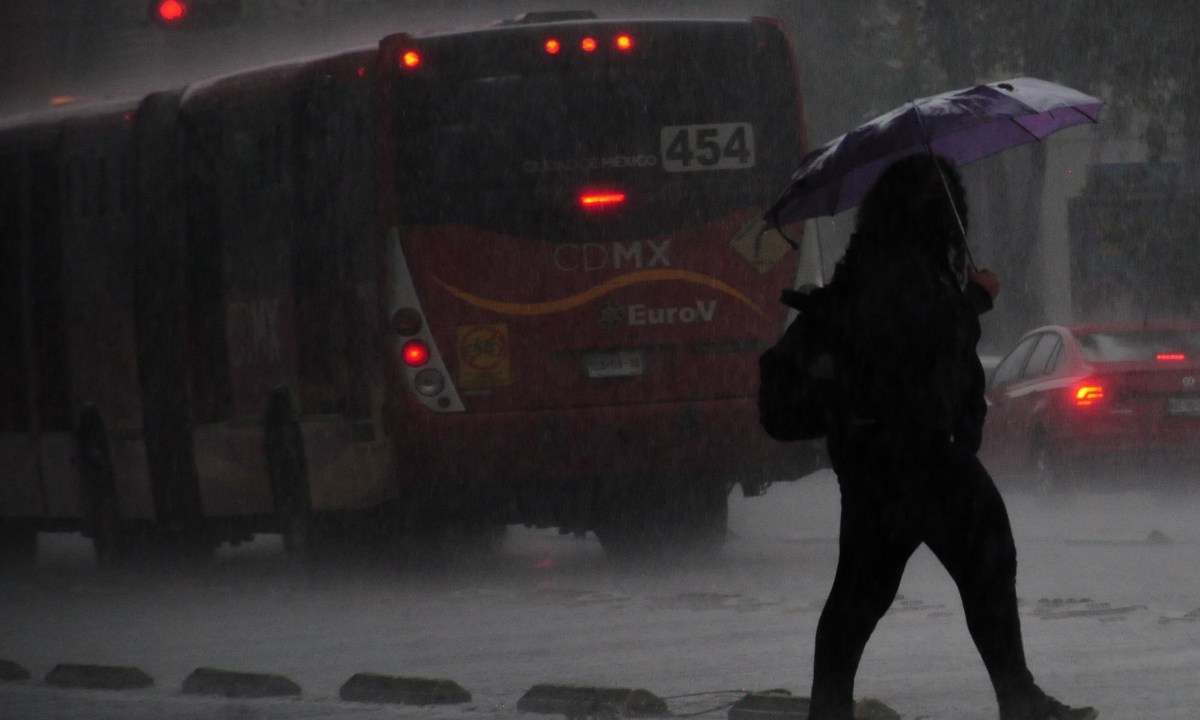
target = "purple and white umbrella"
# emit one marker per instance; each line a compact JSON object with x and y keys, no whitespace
{"x":962,"y":125}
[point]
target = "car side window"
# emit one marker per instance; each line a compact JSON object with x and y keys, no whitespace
{"x":1056,"y":359}
{"x":1043,"y":353}
{"x":1013,"y":364}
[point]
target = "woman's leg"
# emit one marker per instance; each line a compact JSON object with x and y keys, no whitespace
{"x":970,"y":534}
{"x":879,"y":532}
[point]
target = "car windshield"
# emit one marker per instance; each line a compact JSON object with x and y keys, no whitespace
{"x":1139,"y":345}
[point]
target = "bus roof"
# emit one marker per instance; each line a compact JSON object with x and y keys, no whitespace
{"x":276,"y":74}
{"x":69,"y":110}
{"x":516,"y":26}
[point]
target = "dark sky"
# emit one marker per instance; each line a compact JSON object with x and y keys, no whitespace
{"x":108,"y":48}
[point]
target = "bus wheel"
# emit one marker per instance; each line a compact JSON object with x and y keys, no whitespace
{"x":706,"y":515}
{"x":664,"y":520}
{"x":102,"y":511}
{"x":18,"y":545}
{"x":289,"y":474}
{"x":478,"y":533}
{"x":194,"y":543}
{"x":434,"y":525}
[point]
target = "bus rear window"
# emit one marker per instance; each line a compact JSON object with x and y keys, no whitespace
{"x":688,"y":131}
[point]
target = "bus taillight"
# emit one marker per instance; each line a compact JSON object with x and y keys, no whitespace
{"x":624,"y":43}
{"x":552,"y":46}
{"x":596,"y":199}
{"x":429,"y":382}
{"x":407,"y":322}
{"x":415,"y":353}
{"x":410,"y":59}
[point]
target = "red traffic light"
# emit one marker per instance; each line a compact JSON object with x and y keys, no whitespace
{"x":168,"y":12}
{"x":193,"y":13}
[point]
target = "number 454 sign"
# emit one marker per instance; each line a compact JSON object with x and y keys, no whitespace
{"x":723,"y":146}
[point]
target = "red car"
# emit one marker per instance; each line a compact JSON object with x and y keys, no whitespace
{"x":1067,"y":403}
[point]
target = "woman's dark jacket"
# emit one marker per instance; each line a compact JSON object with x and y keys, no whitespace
{"x":905,"y":337}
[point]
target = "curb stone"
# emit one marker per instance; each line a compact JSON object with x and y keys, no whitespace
{"x":370,"y":687}
{"x":577,"y":701}
{"x":782,"y":705}
{"x":10,"y":670}
{"x":98,"y":677}
{"x":232,"y":684}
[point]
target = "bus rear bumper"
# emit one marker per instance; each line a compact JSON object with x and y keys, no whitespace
{"x":720,"y":438}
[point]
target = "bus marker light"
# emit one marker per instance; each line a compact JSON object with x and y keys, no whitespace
{"x":552,"y":46}
{"x":415,"y":353}
{"x":624,"y":43}
{"x":407,"y":322}
{"x":410,"y":59}
{"x":591,"y":199}
{"x":588,"y":44}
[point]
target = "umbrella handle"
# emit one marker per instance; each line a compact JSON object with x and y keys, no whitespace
{"x":953,"y":206}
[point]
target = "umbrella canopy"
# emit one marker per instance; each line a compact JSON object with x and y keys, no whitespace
{"x":962,"y":126}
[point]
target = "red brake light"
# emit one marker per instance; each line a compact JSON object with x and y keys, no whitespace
{"x":588,"y":44}
{"x":552,"y":46}
{"x":624,"y":42}
{"x":410,"y":59}
{"x":1087,"y":394}
{"x":415,"y":353}
{"x":593,"y":199}
{"x":1170,"y":357}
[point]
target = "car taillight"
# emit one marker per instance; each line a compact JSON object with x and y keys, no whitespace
{"x":1087,"y":393}
{"x":1170,"y":357}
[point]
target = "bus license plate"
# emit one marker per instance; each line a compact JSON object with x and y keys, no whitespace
{"x":620,"y":363}
{"x":1183,"y":406}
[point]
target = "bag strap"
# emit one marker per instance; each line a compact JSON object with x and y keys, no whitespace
{"x":800,"y":299}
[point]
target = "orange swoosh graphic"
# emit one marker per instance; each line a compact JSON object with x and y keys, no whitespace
{"x":574,"y":301}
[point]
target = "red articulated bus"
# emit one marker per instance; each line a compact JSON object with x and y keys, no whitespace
{"x":452,"y":282}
